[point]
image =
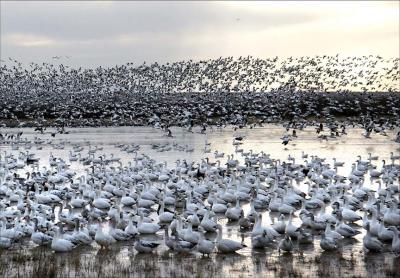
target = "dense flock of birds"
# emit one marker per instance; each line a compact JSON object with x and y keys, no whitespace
{"x":187,"y":206}
{"x":221,"y":91}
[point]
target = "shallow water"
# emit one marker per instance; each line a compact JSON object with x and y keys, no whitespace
{"x":123,"y":260}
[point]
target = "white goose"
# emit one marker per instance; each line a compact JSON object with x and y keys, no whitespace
{"x":261,"y":240}
{"x":103,"y":239}
{"x":227,"y":245}
{"x":345,"y":230}
{"x":101,"y":203}
{"x":118,"y":234}
{"x":40,"y":238}
{"x":292,"y":230}
{"x":329,"y":233}
{"x":384,"y":234}
{"x":143,"y":246}
{"x":164,"y":216}
{"x":396,"y":240}
{"x":208,"y":224}
{"x":147,"y":228}
{"x":190,"y":235}
{"x":131,"y":229}
{"x":392,"y":215}
{"x":371,"y":243}
{"x":233,"y":213}
{"x":258,"y":229}
{"x":204,"y":246}
{"x":81,"y":235}
{"x":328,"y":243}
{"x":77,"y":202}
{"x":5,"y":242}
{"x":59,"y":244}
{"x":285,"y":244}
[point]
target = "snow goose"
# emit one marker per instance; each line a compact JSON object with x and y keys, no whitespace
{"x":328,"y":243}
{"x":103,"y":239}
{"x":144,"y":246}
{"x":101,"y":203}
{"x":258,"y":229}
{"x":147,"y":228}
{"x":291,"y":229}
{"x":131,"y":229}
{"x":280,"y":225}
{"x":227,"y":245}
{"x":208,"y":224}
{"x":118,"y":234}
{"x":345,"y":230}
{"x":128,"y":200}
{"x":194,"y":219}
{"x":285,"y":244}
{"x":176,"y":244}
{"x":392,"y":215}
{"x":190,"y":235}
{"x":204,"y":246}
{"x":81,"y":236}
{"x":384,"y":233}
{"x":164,"y":216}
{"x":38,"y":237}
{"x":371,"y":243}
{"x":329,"y":233}
{"x":77,"y":202}
{"x":261,"y":240}
{"x":233,"y":213}
{"x":244,"y":223}
{"x":395,"y":240}
{"x":337,"y":163}
{"x":5,"y":242}
{"x":252,"y":213}
{"x":59,"y":244}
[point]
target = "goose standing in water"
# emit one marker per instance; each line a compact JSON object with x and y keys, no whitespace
{"x":285,"y":244}
{"x":204,"y":246}
{"x":392,"y":215}
{"x":147,"y":228}
{"x":105,"y":240}
{"x":143,"y":246}
{"x":38,"y":237}
{"x":261,"y":241}
{"x":233,"y":213}
{"x":5,"y":243}
{"x":208,"y":224}
{"x":328,"y":243}
{"x":131,"y":230}
{"x":395,"y":241}
{"x":372,"y":243}
{"x":227,"y":245}
{"x":58,"y":244}
{"x":164,"y":216}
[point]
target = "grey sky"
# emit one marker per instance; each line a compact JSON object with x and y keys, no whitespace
{"x":109,"y":33}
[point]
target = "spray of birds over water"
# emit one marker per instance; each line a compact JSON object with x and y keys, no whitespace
{"x":186,"y":207}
